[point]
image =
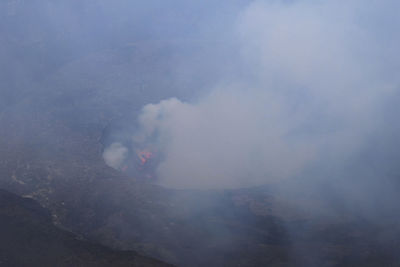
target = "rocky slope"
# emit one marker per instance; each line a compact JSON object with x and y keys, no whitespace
{"x":29,"y":238}
{"x":60,"y":102}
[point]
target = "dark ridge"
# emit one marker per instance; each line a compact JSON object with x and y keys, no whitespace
{"x":28,"y":238}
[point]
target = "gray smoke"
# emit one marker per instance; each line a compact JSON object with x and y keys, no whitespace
{"x":305,"y":88}
{"x":316,"y":78}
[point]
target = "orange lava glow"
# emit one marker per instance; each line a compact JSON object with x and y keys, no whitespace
{"x":144,"y":156}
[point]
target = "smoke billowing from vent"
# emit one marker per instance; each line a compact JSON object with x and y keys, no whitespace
{"x":314,"y":81}
{"x":222,"y":141}
{"x":114,"y":155}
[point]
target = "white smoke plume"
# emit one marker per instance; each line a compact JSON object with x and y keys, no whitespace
{"x":222,"y":141}
{"x":114,"y":155}
{"x":316,"y":79}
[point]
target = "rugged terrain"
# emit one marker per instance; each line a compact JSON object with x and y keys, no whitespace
{"x":52,"y":153}
{"x":61,"y":102}
{"x":29,"y":238}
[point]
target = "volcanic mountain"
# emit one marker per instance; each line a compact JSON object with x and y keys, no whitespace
{"x":61,"y":102}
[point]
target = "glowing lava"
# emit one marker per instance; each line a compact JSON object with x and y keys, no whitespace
{"x":144,"y":156}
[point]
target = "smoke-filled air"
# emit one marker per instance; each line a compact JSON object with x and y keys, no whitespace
{"x":200,"y":133}
{"x":306,"y":88}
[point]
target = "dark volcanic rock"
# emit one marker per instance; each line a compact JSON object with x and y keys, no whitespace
{"x":29,"y":238}
{"x":58,"y":100}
